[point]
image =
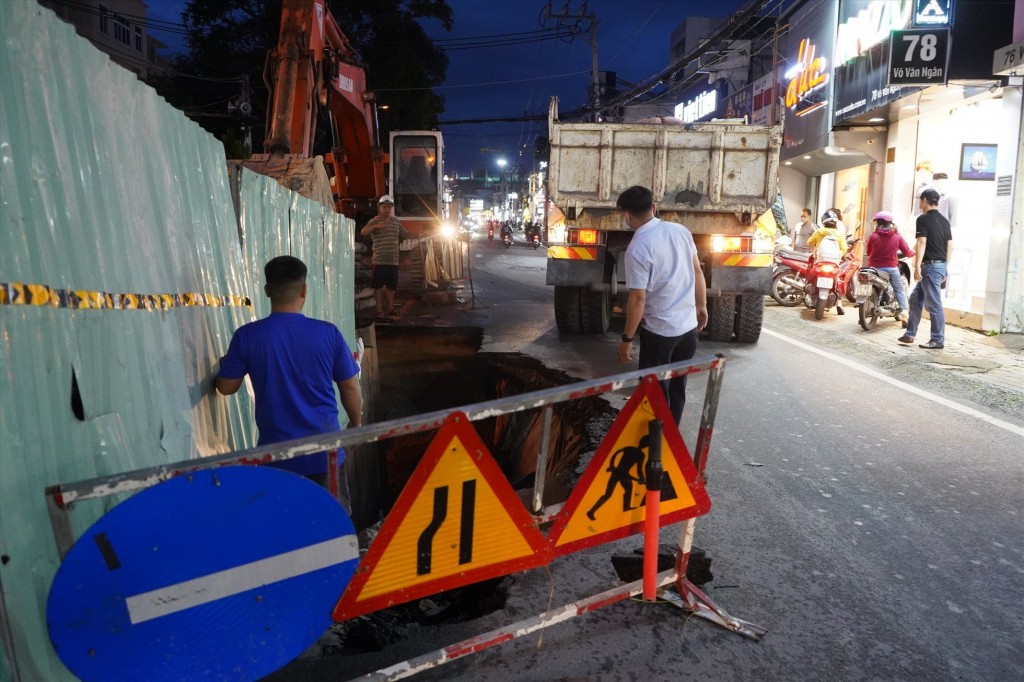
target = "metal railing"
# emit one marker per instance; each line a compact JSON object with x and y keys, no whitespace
{"x":62,"y":497}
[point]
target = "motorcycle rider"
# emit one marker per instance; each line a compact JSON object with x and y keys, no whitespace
{"x":829,"y":243}
{"x":827,"y":233}
{"x":883,"y":249}
{"x":506,"y":230}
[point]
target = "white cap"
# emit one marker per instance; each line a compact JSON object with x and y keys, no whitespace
{"x":386,"y":199}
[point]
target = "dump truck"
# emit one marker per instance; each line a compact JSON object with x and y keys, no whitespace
{"x":715,"y":178}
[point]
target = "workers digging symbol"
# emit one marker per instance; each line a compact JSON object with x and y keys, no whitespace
{"x":620,"y":467}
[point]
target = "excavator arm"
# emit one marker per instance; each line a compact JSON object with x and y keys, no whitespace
{"x":314,"y":68}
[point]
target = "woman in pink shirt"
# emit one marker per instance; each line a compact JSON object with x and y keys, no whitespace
{"x":883,"y":249}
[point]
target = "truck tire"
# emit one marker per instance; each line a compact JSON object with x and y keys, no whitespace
{"x":567,"y":310}
{"x":595,"y":311}
{"x":748,"y":321}
{"x":723,"y":318}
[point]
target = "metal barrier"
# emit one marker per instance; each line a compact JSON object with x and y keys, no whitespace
{"x":62,"y":497}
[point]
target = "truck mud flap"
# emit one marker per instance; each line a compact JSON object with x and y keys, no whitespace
{"x":575,"y":266}
{"x":740,"y":279}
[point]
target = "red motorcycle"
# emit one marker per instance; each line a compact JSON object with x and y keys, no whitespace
{"x":789,"y":276}
{"x":828,"y":282}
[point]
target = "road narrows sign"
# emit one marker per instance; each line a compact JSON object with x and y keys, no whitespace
{"x":608,"y":503}
{"x":225,"y":573}
{"x":456,"y":522}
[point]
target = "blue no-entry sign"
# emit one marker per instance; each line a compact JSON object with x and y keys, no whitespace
{"x":225,"y":573}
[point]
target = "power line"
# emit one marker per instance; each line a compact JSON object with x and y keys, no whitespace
{"x":477,"y":85}
{"x":505,"y":36}
{"x":158,"y":24}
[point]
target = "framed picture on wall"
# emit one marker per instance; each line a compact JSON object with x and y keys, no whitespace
{"x":977,"y":161}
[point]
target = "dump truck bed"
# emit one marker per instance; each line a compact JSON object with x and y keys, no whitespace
{"x":707,"y":176}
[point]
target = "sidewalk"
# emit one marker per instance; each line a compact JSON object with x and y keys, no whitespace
{"x":996,"y":360}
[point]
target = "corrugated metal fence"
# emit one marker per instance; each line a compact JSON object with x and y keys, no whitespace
{"x":117,"y":210}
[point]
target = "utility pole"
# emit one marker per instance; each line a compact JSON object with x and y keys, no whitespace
{"x":572,"y":25}
{"x":246,"y":108}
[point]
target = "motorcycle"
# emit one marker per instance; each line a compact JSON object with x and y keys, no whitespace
{"x":506,"y":239}
{"x":490,"y":231}
{"x":828,"y":282}
{"x":535,"y":240}
{"x":789,"y":276}
{"x":874,"y":295}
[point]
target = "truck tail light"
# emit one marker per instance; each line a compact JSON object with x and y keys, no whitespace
{"x":721,"y":243}
{"x":584,"y":237}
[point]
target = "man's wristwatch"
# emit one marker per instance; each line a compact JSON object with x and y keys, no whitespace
{"x":627,"y":339}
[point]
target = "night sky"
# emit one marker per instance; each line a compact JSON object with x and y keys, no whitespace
{"x":510,"y":80}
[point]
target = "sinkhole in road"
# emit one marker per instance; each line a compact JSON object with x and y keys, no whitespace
{"x":424,"y":370}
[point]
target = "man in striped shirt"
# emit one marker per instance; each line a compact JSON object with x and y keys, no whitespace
{"x":387,"y":232}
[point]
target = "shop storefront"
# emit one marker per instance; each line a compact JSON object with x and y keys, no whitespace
{"x":951,"y":136}
{"x":822,"y":168}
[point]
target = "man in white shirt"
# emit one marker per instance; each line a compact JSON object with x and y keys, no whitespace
{"x":667,"y":295}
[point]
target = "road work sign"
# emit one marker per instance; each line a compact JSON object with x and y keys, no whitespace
{"x":225,"y":573}
{"x":457,"y":522}
{"x":609,"y":501}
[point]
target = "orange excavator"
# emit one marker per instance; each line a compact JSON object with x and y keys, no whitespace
{"x":315,"y":72}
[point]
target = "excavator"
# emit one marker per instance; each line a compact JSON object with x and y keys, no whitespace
{"x":314,"y":73}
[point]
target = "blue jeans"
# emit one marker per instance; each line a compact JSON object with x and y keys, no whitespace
{"x":897,"y":285}
{"x":928,"y":294}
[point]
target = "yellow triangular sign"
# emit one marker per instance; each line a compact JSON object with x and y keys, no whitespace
{"x":457,"y":522}
{"x":608,"y":503}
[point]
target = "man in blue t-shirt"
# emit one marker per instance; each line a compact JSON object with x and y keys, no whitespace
{"x":292,"y":361}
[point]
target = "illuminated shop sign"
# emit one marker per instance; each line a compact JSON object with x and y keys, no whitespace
{"x":932,"y":12}
{"x":807,"y":77}
{"x":703,"y":105}
{"x":870,"y":26}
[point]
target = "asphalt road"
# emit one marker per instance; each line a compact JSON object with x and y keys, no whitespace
{"x":876,"y":532}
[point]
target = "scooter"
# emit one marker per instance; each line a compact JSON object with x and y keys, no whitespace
{"x":828,"y":282}
{"x":789,"y":276}
{"x":874,"y":295}
{"x":490,"y":231}
{"x":507,"y":240}
{"x":535,"y":240}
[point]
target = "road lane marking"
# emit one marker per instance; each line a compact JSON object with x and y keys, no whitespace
{"x":970,"y":411}
{"x":229,"y":582}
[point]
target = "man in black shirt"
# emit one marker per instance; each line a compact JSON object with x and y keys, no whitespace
{"x":934,"y":246}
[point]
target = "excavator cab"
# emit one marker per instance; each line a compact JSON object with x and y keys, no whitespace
{"x":416,"y":179}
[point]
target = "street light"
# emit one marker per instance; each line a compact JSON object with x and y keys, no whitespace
{"x":501,"y":186}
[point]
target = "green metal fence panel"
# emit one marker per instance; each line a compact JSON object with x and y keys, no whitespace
{"x":123,"y":278}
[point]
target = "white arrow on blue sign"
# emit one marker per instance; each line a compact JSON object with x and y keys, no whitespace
{"x":224,"y":573}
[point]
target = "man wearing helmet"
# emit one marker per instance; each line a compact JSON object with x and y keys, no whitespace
{"x":883,"y":248}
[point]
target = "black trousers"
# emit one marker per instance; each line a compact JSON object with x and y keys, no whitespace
{"x":661,"y":350}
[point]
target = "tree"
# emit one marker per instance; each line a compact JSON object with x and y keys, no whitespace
{"x":231,"y":38}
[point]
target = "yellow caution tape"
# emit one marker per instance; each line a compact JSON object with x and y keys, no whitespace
{"x":17,"y":293}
